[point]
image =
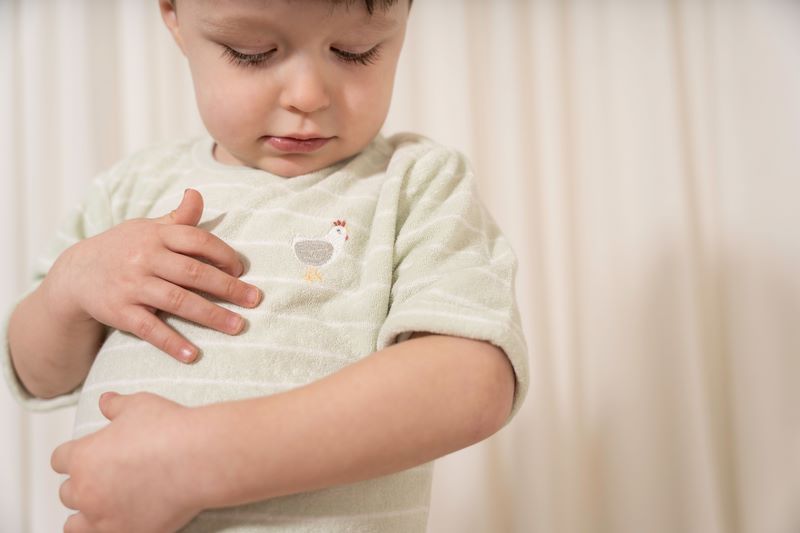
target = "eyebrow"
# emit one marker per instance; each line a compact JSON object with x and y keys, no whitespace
{"x":232,"y":23}
{"x":239,"y":23}
{"x":382,"y":23}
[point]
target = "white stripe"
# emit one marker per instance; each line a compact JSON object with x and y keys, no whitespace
{"x":287,"y":189}
{"x":244,"y":244}
{"x":210,"y":213}
{"x":44,"y":264}
{"x":176,"y":197}
{"x":281,"y":210}
{"x":264,"y":280}
{"x":287,"y":244}
{"x":235,"y":244}
{"x":192,"y":381}
{"x":255,"y":188}
{"x":438,"y":221}
{"x":450,"y":251}
{"x":91,"y":426}
{"x":359,"y":197}
{"x":92,"y":227}
{"x":503,"y":281}
{"x":458,"y":300}
{"x":67,"y":239}
{"x":385,"y":213}
{"x":269,"y":346}
{"x":407,"y":263}
{"x":398,"y":289}
{"x":267,"y":517}
{"x":324,"y":322}
{"x":440,"y":202}
{"x":83,"y":214}
{"x":444,"y":314}
{"x":478,"y":307}
{"x":501,"y":256}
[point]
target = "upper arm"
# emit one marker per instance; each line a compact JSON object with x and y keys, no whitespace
{"x":495,"y":372}
{"x":454,"y":275}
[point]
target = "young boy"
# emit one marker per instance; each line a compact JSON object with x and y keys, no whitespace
{"x":338,"y":306}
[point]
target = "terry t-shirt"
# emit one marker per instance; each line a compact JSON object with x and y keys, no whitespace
{"x":351,"y":259}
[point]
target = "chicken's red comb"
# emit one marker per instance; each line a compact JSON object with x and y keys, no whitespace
{"x":342,"y":223}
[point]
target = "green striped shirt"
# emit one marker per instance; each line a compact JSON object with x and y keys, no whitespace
{"x":351,"y":259}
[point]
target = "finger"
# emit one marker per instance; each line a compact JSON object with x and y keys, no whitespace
{"x":60,"y":458}
{"x":188,"y":211}
{"x":152,"y":329}
{"x":191,"y":273}
{"x":67,"y":495}
{"x":196,"y":242}
{"x":78,"y":523}
{"x":112,"y":404}
{"x":193,"y":307}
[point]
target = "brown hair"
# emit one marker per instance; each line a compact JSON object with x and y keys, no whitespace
{"x":369,"y":4}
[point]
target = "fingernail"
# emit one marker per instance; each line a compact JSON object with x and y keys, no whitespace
{"x":187,"y":354}
{"x":235,"y":323}
{"x":253,"y":296}
{"x":108,"y":394}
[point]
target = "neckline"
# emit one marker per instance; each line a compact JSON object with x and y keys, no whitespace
{"x":203,"y":156}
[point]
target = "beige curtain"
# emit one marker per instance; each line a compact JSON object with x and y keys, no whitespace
{"x":643,"y":156}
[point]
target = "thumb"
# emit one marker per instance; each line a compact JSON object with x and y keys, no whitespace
{"x":188,"y":211}
{"x":111,"y":404}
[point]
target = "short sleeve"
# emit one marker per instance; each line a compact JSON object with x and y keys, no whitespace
{"x":453,"y":268}
{"x":92,"y":217}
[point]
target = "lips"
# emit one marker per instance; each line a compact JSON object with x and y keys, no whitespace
{"x":298,"y":143}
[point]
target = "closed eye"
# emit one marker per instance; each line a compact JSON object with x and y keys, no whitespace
{"x":245,"y":60}
{"x":253,"y":60}
{"x":364,"y":58}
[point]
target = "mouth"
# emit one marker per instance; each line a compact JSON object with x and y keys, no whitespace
{"x":297,"y":143}
{"x":303,"y":136}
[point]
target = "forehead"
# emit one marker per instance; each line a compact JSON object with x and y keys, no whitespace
{"x":227,"y":16}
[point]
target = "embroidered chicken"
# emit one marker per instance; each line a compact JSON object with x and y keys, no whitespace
{"x":319,"y":252}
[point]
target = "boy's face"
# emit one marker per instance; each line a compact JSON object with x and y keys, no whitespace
{"x":266,"y":71}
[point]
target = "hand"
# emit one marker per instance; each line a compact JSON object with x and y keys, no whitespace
{"x":123,"y":276}
{"x":134,"y":475}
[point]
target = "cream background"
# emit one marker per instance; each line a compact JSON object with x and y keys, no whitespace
{"x":643,"y":157}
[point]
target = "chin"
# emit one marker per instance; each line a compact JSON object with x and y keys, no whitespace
{"x":287,"y":168}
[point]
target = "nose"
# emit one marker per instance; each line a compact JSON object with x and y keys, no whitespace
{"x":304,"y":88}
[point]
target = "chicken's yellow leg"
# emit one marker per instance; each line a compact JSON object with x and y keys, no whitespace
{"x":312,"y":274}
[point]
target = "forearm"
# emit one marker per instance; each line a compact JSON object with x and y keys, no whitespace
{"x":50,"y":355}
{"x":401,"y":407}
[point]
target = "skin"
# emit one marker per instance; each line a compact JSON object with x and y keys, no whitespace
{"x":119,"y":278}
{"x":303,"y":87}
{"x":157,"y":464}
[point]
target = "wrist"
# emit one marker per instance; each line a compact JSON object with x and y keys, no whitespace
{"x":218,"y":462}
{"x":58,"y":296}
{"x":202,"y":459}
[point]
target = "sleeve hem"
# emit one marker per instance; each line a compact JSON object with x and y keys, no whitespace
{"x":398,"y":329}
{"x":15,"y":386}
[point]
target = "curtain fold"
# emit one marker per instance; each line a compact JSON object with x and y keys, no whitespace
{"x":641,"y":157}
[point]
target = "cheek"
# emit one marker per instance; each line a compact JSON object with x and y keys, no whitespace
{"x":230,"y":103}
{"x":368,"y":102}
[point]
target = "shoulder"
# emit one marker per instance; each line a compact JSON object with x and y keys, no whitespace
{"x":419,"y":152}
{"x":153,"y":160}
{"x":424,"y":165}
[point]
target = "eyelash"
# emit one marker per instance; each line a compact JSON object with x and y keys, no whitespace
{"x":255,"y":60}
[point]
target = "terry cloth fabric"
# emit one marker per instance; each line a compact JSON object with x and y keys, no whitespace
{"x":351,"y":259}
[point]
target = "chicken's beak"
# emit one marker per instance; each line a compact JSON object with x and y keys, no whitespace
{"x":347,"y":237}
